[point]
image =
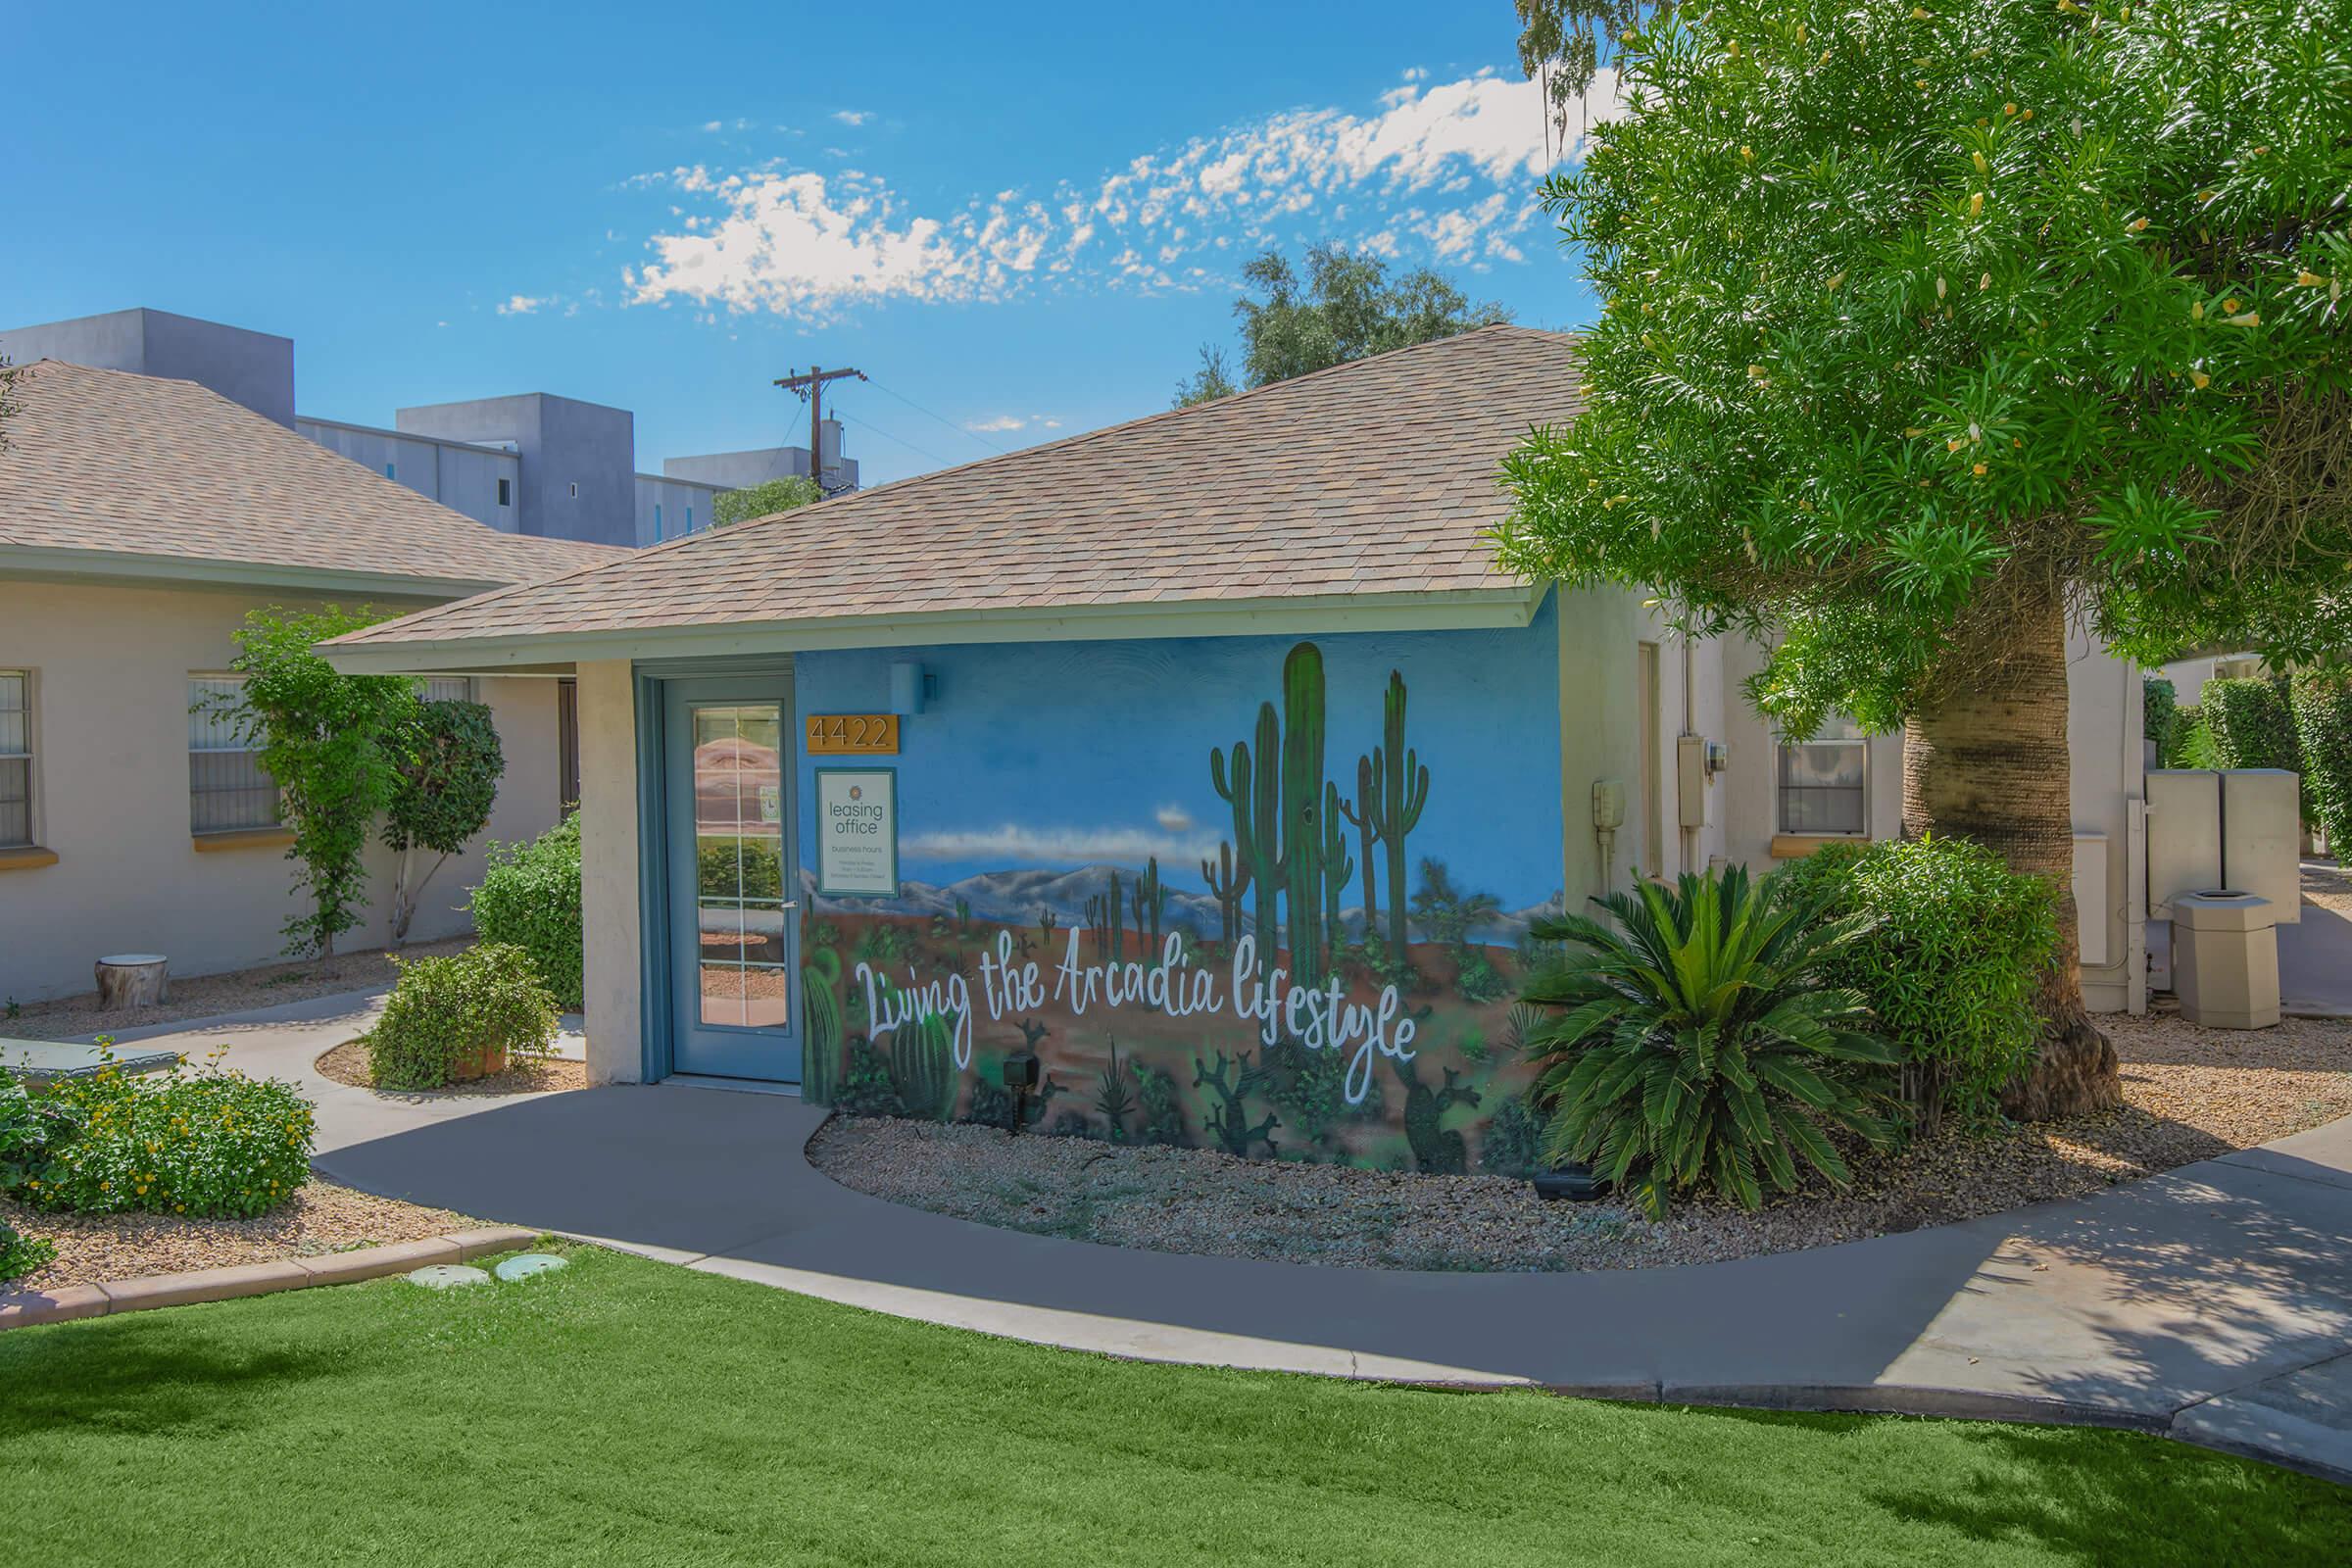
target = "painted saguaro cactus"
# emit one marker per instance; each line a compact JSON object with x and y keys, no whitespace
{"x":1254,"y":791}
{"x":1401,"y":789}
{"x":1338,"y":867}
{"x":1301,"y":806}
{"x":922,"y":1066}
{"x":1150,"y":906}
{"x":1227,"y":879}
{"x":820,"y":1027}
{"x":1369,"y":836}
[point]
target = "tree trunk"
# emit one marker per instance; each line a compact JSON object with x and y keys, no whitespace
{"x":1986,"y":759}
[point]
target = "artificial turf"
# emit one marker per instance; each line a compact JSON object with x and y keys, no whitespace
{"x":624,"y":1412}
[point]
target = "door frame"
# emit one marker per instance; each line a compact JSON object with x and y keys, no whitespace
{"x":657,"y":989}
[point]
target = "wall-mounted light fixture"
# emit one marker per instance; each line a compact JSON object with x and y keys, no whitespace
{"x":909,"y":684}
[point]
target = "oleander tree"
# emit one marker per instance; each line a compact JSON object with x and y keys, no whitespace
{"x":1926,"y":327}
{"x":447,"y":762}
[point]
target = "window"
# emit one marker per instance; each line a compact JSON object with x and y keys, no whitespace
{"x":506,"y":492}
{"x":227,"y":787}
{"x":391,"y":471}
{"x":1823,"y":782}
{"x":449,"y":689}
{"x":16,"y":757}
{"x":690,"y":519}
{"x":656,"y":523}
{"x":576,"y":489}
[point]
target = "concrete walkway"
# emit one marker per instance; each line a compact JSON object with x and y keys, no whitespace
{"x":2214,"y":1302}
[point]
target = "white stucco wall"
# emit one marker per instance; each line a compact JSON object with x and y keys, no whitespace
{"x":608,"y":871}
{"x":110,"y":668}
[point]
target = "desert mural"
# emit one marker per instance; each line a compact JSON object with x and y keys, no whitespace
{"x":1263,"y":895}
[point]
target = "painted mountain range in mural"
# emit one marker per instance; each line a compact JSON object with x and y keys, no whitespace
{"x":1018,"y":897}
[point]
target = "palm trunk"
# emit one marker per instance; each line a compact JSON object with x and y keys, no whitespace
{"x":1986,"y":759}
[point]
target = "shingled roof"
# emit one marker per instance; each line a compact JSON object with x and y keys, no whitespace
{"x":1376,"y":477}
{"x":101,"y":467}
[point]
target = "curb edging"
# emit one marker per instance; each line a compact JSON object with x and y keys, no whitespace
{"x":69,"y":1303}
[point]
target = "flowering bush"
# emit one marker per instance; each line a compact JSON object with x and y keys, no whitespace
{"x":211,"y":1144}
{"x":460,"y":1017}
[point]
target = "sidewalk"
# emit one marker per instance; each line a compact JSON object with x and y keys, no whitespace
{"x":2214,"y":1302}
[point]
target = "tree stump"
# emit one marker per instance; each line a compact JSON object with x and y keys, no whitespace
{"x":130,"y":980}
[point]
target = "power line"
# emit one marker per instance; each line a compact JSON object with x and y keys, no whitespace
{"x":960,"y":429}
{"x":875,"y":429}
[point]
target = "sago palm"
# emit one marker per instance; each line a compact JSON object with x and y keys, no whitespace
{"x":1691,"y":1043}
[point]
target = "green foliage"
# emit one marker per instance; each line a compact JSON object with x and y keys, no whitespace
{"x":529,"y":897}
{"x":1348,"y":306}
{"x":1950,"y":956}
{"x":448,"y":762}
{"x":922,"y":1067}
{"x":20,"y":1254}
{"x":1162,"y":1106}
{"x":1513,"y":1145}
{"x":2323,"y":707}
{"x":1699,"y":1044}
{"x":1912,"y":313}
{"x":1563,"y":42}
{"x":2160,"y":714}
{"x":751,"y":866}
{"x":867,"y":1090}
{"x":765,"y":500}
{"x":454,"y":1016}
{"x":2251,"y":723}
{"x":821,"y":1026}
{"x":331,"y":742}
{"x":2193,"y":742}
{"x":208,"y":1145}
{"x":1435,"y":1151}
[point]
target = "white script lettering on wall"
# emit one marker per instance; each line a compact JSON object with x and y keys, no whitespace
{"x":1319,"y":1018}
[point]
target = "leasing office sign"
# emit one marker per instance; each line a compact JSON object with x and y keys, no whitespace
{"x":857,"y":832}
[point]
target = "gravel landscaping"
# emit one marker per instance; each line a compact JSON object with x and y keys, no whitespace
{"x":347,"y":1063}
{"x":209,"y":996}
{"x":2189,"y":1093}
{"x":321,"y":1218}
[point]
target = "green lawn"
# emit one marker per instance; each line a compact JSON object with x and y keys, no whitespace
{"x":629,"y":1412}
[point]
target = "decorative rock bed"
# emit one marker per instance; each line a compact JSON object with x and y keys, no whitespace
{"x":2190,"y":1094}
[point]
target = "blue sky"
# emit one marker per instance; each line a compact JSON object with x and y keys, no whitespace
{"x":1020,"y":220}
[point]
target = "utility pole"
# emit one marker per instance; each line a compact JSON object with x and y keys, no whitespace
{"x":813,"y":387}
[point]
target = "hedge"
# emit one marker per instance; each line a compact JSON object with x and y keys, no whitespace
{"x":1952,"y":963}
{"x":2322,"y":709}
{"x":2160,"y":714}
{"x":447,"y":1014}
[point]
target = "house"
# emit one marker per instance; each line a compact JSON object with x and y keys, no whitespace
{"x":532,"y":462}
{"x":1208,"y":757}
{"x":140,"y":518}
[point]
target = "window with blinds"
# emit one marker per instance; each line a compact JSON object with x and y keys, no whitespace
{"x":449,"y":689}
{"x":1824,"y":783}
{"x":228,"y":790}
{"x":16,"y":757}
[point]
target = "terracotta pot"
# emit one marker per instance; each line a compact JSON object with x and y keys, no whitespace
{"x":481,"y":1062}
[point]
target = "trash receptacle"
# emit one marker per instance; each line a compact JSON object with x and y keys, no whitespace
{"x":2225,"y":960}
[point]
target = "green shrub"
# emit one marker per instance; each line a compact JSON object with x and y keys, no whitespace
{"x":529,"y":897}
{"x":215,"y":1144}
{"x":20,"y":1254}
{"x":1698,"y":1044}
{"x":750,"y":868}
{"x":2251,"y":724}
{"x":2191,"y":742}
{"x":2160,"y":714}
{"x":1954,"y":951}
{"x":2323,"y":707}
{"x":446,"y":1013}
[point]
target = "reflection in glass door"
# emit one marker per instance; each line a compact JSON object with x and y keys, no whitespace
{"x":733,"y":878}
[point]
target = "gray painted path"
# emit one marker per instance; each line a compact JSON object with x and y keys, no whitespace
{"x":2214,"y":1302}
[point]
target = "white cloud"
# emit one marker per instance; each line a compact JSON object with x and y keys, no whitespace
{"x":524,"y":304}
{"x":1448,"y":170}
{"x":1174,"y":818}
{"x":1002,"y":422}
{"x":1012,"y":844}
{"x":853,"y":117}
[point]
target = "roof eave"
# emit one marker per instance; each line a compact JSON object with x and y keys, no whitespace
{"x":49,"y":563}
{"x":1503,"y":608}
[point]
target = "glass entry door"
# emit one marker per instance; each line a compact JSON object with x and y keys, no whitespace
{"x":734,"y":879}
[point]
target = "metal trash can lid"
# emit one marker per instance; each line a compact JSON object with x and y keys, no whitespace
{"x":2223,"y":910}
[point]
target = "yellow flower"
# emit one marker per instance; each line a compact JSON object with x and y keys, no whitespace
{"x":2196,"y":311}
{"x":1976,"y":204}
{"x":2009,"y":109}
{"x":2250,"y":319}
{"x":1748,"y":154}
{"x":1978,"y":469}
{"x":2228,"y":305}
{"x":2199,"y":379}
{"x":1985,"y":282}
{"x":2025,"y":114}
{"x":2309,"y":279}
{"x":1913,"y":432}
{"x":1939,"y":289}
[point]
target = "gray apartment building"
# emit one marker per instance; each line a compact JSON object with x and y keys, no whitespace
{"x":532,"y":462}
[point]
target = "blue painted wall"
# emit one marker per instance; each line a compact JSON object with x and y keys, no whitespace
{"x":1038,"y":772}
